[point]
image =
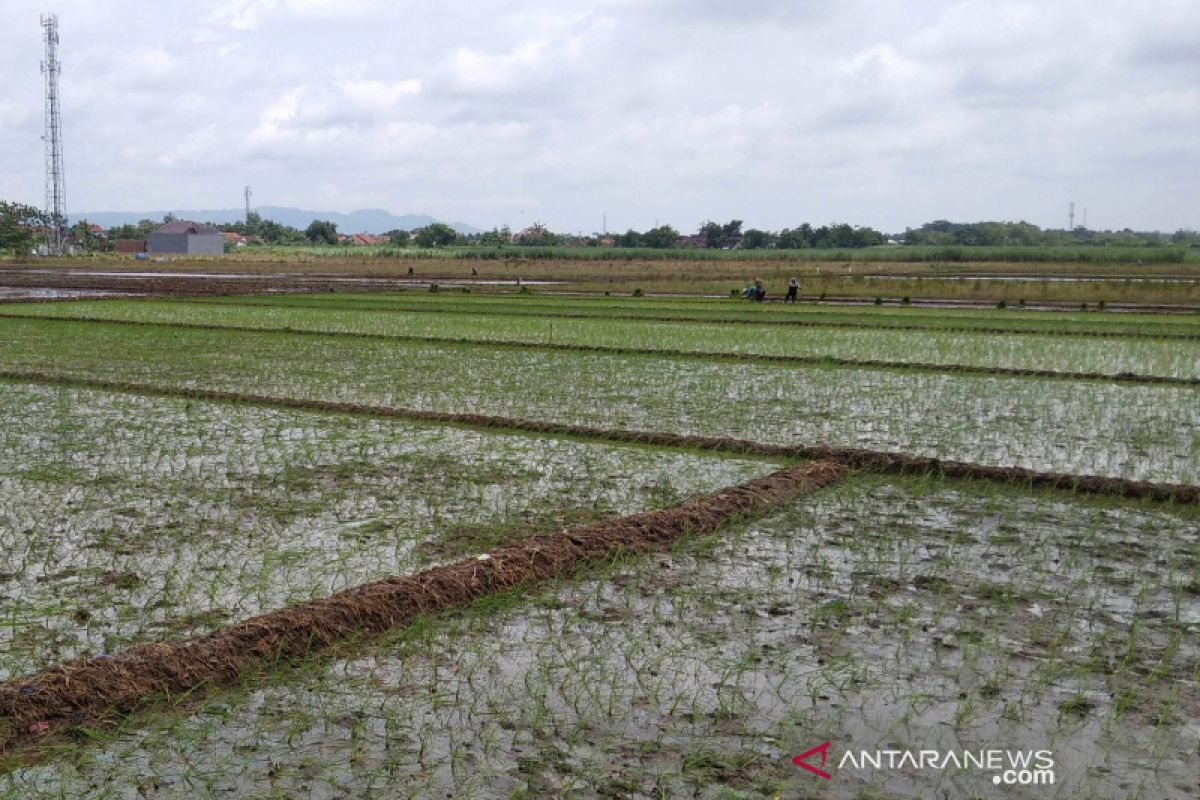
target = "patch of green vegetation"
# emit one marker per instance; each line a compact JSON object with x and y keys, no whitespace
{"x":877,"y":338}
{"x":972,"y":418}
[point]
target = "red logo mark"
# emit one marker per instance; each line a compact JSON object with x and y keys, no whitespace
{"x":802,"y":760}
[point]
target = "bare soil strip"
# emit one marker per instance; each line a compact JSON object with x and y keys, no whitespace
{"x":165,"y":284}
{"x":867,"y":460}
{"x":704,"y":355}
{"x":801,"y":323}
{"x":94,"y":690}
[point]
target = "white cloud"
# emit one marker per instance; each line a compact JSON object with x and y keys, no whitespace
{"x":242,"y":15}
{"x":472,"y":70}
{"x":380,"y":94}
{"x":882,"y":113}
{"x":329,"y":8}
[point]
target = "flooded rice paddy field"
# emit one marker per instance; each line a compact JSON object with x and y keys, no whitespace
{"x":1094,"y":427}
{"x":126,"y":519}
{"x":881,"y":613}
{"x":1111,"y":355}
{"x":888,"y":315}
{"x":875,"y":615}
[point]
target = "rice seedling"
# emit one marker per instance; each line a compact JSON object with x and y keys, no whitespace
{"x":875,"y":341}
{"x":885,"y":612}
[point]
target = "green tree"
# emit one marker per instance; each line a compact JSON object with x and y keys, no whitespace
{"x":841,"y":235}
{"x":629,"y":238}
{"x":713,"y":233}
{"x":253,"y":224}
{"x":17,"y":224}
{"x":868,"y":237}
{"x":82,"y":233}
{"x":795,"y":238}
{"x":754,"y":239}
{"x":321,"y":231}
{"x":662,"y":237}
{"x":717,"y":236}
{"x":273,"y":232}
{"x":497,"y":237}
{"x":398,"y":237}
{"x":439,"y":234}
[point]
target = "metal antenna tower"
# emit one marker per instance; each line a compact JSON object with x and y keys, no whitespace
{"x":1071,"y":218}
{"x":249,"y":194}
{"x":56,"y":184}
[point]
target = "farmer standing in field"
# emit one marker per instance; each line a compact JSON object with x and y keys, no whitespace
{"x":760,"y":291}
{"x":793,"y":288}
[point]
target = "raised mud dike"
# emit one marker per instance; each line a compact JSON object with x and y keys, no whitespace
{"x":94,"y":690}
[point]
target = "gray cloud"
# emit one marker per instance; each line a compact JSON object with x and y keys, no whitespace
{"x":882,"y":113}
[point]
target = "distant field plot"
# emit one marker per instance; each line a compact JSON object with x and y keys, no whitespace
{"x":127,"y":519}
{"x":876,"y":615}
{"x":1108,"y":355}
{"x":730,"y":309}
{"x":1123,"y":430}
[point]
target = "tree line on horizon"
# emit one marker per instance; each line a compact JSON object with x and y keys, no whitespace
{"x":19,"y":224}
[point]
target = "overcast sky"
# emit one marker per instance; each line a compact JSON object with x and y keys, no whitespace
{"x":887,"y":113}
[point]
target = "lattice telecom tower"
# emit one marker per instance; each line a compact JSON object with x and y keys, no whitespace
{"x":56,"y":185}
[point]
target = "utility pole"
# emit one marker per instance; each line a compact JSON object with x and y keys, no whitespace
{"x":56,"y":185}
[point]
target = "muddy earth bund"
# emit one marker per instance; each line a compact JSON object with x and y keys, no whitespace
{"x":98,"y":688}
{"x":203,"y":284}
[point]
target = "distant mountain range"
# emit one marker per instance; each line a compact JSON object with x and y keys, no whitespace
{"x":367,"y":220}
